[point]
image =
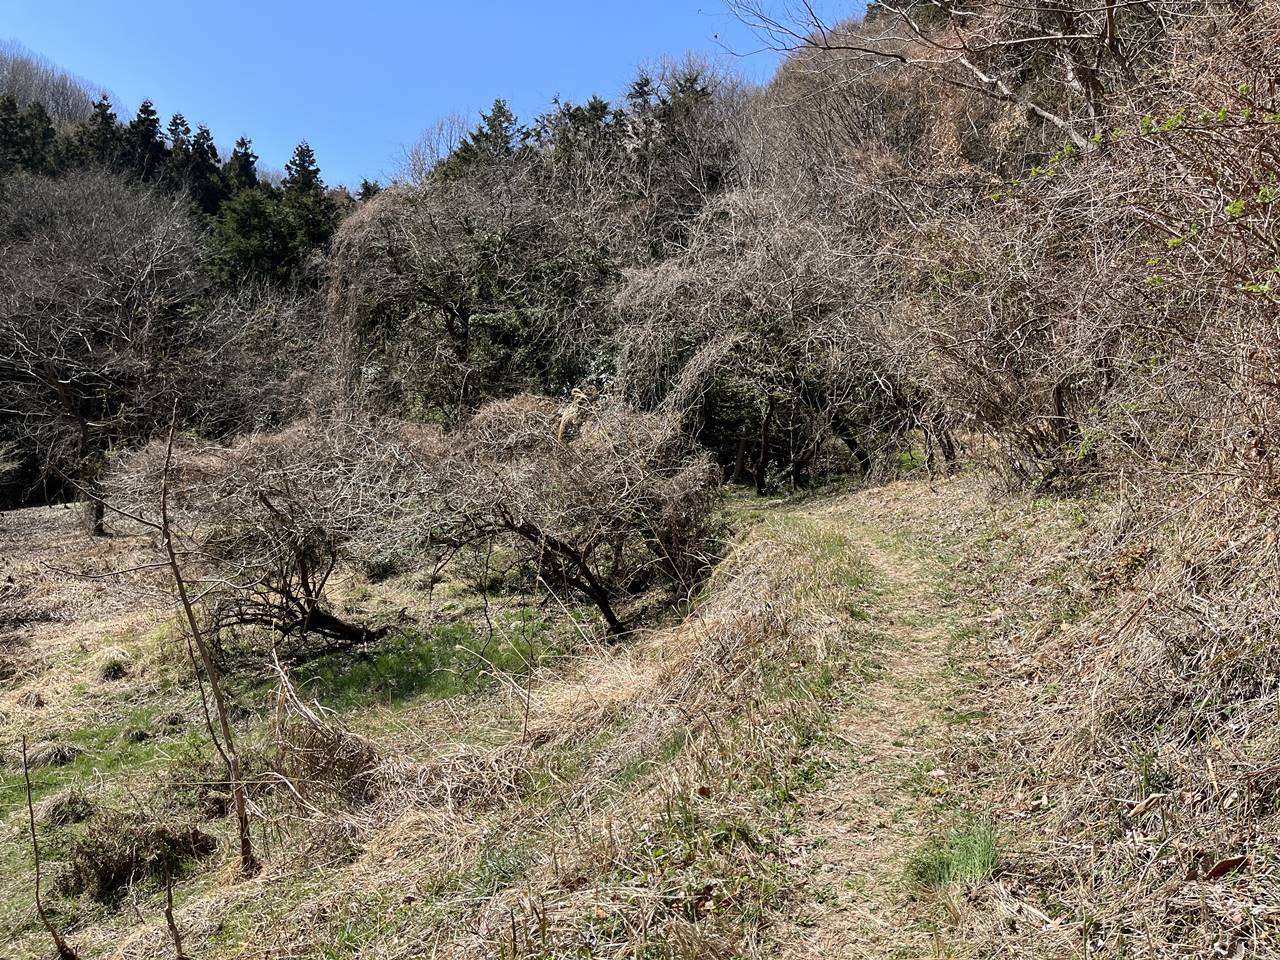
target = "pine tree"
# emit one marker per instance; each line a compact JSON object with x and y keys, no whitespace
{"x":240,"y":172}
{"x":145,"y":150}
{"x":369,"y":189}
{"x":28,"y":140}
{"x":179,"y":134}
{"x":302,"y":173}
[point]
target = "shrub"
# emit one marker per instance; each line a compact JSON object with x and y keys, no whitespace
{"x":594,"y":497}
{"x":120,"y":849}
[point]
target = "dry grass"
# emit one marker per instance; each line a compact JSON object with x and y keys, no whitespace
{"x":629,"y":798}
{"x":1129,"y":753}
{"x":1156,"y":744}
{"x":668,"y":794}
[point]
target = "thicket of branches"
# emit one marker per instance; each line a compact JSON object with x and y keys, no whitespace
{"x":1047,"y":227}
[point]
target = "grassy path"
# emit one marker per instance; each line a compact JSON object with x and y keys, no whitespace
{"x":864,"y":837}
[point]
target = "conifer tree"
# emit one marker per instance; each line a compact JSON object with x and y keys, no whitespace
{"x":145,"y":150}
{"x":99,"y":139}
{"x":302,"y":172}
{"x":498,"y":133}
{"x":311,"y":213}
{"x":179,"y":134}
{"x":179,"y":150}
{"x":498,"y":137}
{"x":240,"y":172}
{"x":10,"y":134}
{"x":252,"y":239}
{"x":27,"y":138}
{"x":39,"y":140}
{"x":203,"y":173}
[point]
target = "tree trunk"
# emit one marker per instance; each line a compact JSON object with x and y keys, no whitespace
{"x":850,"y":440}
{"x":324,"y":623}
{"x":575,"y":571}
{"x":95,"y":515}
{"x":740,"y":463}
{"x":948,"y":445}
{"x":762,"y":461}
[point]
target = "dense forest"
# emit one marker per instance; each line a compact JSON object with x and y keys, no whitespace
{"x":1034,"y":243}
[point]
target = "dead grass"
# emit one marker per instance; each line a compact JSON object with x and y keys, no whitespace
{"x":865,"y":679}
{"x":1128,"y":743}
{"x":626,"y":796}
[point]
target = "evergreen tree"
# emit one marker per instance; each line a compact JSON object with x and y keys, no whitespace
{"x":99,"y":139}
{"x":39,"y":140}
{"x":571,"y":137}
{"x":311,"y":213}
{"x":27,"y":138}
{"x":498,"y":137}
{"x":302,"y":172}
{"x":369,"y":189}
{"x":145,"y":150}
{"x":179,"y":149}
{"x":10,"y":135}
{"x":252,"y":239}
{"x":204,"y":173}
{"x":240,"y":172}
{"x":179,"y":135}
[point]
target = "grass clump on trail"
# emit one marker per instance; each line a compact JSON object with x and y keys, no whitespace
{"x":966,"y":857}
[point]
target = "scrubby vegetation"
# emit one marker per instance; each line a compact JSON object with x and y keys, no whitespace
{"x":534,"y":556}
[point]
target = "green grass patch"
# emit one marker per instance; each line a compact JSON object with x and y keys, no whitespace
{"x":110,"y":750}
{"x":441,"y":661}
{"x":965,"y":857}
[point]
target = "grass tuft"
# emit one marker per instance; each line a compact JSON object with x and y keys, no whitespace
{"x":965,"y":857}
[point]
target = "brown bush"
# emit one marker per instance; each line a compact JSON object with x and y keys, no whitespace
{"x":594,"y":496}
{"x":118,"y":850}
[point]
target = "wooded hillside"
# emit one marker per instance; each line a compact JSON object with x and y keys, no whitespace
{"x":573,"y":401}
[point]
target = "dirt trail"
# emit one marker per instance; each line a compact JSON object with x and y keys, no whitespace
{"x":857,"y":834}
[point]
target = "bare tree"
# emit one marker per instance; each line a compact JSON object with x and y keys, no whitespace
{"x":262,"y":526}
{"x":61,"y":947}
{"x":1079,"y":55}
{"x":96,"y":277}
{"x":595,"y":497}
{"x":155,"y":515}
{"x":29,"y":78}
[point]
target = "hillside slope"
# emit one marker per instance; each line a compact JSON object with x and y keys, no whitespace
{"x":814,"y":762}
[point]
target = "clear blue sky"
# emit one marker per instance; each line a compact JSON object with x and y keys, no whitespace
{"x":362,"y":81}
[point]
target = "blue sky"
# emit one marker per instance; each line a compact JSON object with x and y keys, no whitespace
{"x":362,"y":81}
